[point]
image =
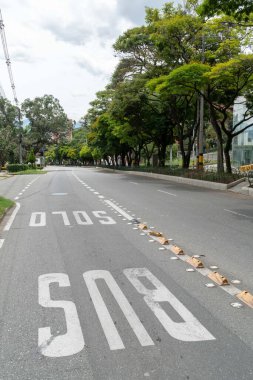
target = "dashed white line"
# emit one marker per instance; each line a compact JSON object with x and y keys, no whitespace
{"x":166,"y":192}
{"x":134,"y":183}
{"x":237,"y":213}
{"x":1,"y":243}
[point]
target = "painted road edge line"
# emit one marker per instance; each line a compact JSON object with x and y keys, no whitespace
{"x":12,"y":217}
{"x":118,"y":209}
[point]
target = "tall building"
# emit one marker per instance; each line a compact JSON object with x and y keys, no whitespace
{"x":242,"y":149}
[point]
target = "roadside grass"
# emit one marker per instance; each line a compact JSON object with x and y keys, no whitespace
{"x":30,"y":171}
{"x":5,"y":204}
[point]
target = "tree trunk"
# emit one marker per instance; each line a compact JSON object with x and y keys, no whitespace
{"x":162,"y":154}
{"x":216,"y":127}
{"x":227,"y":149}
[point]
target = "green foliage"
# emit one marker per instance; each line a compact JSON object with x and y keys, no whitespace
{"x":8,"y":130}
{"x":239,"y":9}
{"x":31,"y":157}
{"x":85,"y":153}
{"x":47,"y":121}
{"x":5,"y":204}
{"x":164,"y":67}
{"x":12,"y":168}
{"x":185,"y":79}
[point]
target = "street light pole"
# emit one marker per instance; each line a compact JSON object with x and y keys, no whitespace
{"x":201,"y":118}
{"x":20,"y":136}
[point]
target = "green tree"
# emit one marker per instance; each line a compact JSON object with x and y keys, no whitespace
{"x":239,"y":9}
{"x":85,"y":155}
{"x":8,"y":130}
{"x":31,"y":157}
{"x":47,"y":121}
{"x":222,"y":85}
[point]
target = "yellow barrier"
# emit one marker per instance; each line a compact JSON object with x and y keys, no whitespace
{"x":246,"y":168}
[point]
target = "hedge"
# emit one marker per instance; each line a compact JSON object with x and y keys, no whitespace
{"x":12,"y":168}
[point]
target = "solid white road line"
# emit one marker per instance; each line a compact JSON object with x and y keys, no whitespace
{"x":119,"y":210}
{"x":237,"y":213}
{"x":12,"y":217}
{"x":166,"y":192}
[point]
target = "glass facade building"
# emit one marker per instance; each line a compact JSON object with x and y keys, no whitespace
{"x":242,"y":149}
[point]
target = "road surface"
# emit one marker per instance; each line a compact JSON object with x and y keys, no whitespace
{"x":86,"y":294}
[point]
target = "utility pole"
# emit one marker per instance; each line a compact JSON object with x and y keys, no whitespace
{"x":20,"y":136}
{"x":8,"y":63}
{"x":200,"y":164}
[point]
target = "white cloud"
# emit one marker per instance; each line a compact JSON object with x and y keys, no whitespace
{"x":64,"y":47}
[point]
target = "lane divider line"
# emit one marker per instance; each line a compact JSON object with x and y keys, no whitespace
{"x":119,"y":210}
{"x":237,"y":213}
{"x":25,"y":188}
{"x":12,"y":217}
{"x":1,"y":243}
{"x":166,"y":192}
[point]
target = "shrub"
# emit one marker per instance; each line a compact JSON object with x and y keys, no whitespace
{"x":12,"y":168}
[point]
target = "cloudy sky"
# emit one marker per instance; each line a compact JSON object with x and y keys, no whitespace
{"x":64,"y":47}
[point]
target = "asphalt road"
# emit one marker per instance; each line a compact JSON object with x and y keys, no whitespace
{"x":86,"y":294}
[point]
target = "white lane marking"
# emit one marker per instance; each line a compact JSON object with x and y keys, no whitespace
{"x":105,"y":219}
{"x":41,"y":222}
{"x":113,"y":338}
{"x":12,"y":217}
{"x":72,"y":341}
{"x":166,"y":192}
{"x":119,"y":210}
{"x":101,"y":196}
{"x":16,"y":198}
{"x":237,"y":213}
{"x":59,"y":194}
{"x":96,"y":193}
{"x":191,"y":330}
{"x":134,"y":183}
{"x":1,"y":243}
{"x":86,"y":219}
{"x":64,"y":217}
{"x":232,"y":290}
{"x":21,"y":193}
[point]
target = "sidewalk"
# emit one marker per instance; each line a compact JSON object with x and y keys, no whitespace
{"x":4,"y":175}
{"x":242,"y":188}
